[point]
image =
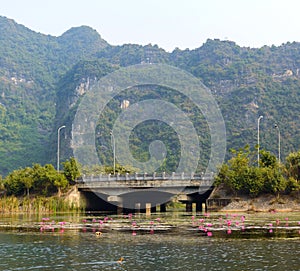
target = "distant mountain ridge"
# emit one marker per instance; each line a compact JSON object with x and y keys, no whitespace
{"x":43,"y":77}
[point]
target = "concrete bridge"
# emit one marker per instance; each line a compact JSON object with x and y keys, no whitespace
{"x":145,"y":191}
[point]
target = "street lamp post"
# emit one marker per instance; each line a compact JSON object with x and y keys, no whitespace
{"x":114,"y":150}
{"x":58,"y":141}
{"x":277,"y":127}
{"x":258,"y":122}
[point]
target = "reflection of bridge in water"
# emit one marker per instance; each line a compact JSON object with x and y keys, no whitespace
{"x":145,"y":191}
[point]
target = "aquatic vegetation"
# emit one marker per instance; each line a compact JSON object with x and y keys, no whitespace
{"x":12,"y":204}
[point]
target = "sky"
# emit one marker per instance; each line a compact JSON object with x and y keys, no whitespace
{"x":168,"y":23}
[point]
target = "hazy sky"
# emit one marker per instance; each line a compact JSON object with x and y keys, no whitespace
{"x":167,"y":23}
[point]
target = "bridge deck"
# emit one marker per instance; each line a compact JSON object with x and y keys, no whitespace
{"x":146,"y":181}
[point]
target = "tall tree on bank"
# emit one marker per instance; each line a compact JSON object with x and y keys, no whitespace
{"x":293,"y":170}
{"x":71,"y":169}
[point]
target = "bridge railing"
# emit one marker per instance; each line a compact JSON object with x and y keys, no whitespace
{"x":146,"y":177}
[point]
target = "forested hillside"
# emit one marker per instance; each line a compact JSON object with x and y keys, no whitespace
{"x":42,"y":79}
{"x":30,"y":66}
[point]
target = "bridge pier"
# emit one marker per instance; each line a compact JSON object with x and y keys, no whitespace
{"x":119,"y":209}
{"x":137,"y":208}
{"x":148,"y":208}
{"x":189,"y":207}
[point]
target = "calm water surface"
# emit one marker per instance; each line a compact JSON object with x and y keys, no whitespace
{"x":85,"y":251}
{"x":77,"y":250}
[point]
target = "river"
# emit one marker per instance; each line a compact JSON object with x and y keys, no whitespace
{"x":79,"y":250}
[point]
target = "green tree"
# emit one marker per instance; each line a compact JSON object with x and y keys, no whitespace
{"x":48,"y":180}
{"x":19,"y":180}
{"x":57,"y":179}
{"x":292,"y":185}
{"x":254,"y":183}
{"x":293,"y":165}
{"x":236,"y":172}
{"x":267,"y":159}
{"x":274,"y":181}
{"x":26,"y":177}
{"x":71,"y":169}
{"x":241,"y":176}
{"x":60,"y":183}
{"x":12,"y":183}
{"x":42,"y":184}
{"x":43,"y":180}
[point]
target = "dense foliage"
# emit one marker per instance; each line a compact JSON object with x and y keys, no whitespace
{"x":246,"y":82}
{"x":241,"y":174}
{"x":41,"y":180}
{"x":46,"y":181}
{"x":30,"y":65}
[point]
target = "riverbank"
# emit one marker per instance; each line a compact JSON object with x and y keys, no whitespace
{"x":261,"y":203}
{"x":264,"y":203}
